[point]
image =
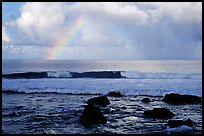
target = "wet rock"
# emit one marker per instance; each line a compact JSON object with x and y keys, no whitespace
{"x":115,"y":94}
{"x":101,"y":100}
{"x":158,"y":113}
{"x":145,"y":100}
{"x":175,"y":98}
{"x":92,"y":115}
{"x":177,"y":123}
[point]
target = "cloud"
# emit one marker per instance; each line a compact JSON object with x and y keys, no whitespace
{"x":40,"y":22}
{"x":115,"y":30}
{"x":5,"y":36}
{"x":186,"y":12}
{"x":142,"y":12}
{"x":11,"y":51}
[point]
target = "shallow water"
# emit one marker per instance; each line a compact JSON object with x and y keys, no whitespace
{"x":60,"y":113}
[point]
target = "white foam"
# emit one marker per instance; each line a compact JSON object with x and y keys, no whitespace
{"x":160,"y":75}
{"x":181,"y":129}
{"x":89,"y":85}
{"x":63,"y":74}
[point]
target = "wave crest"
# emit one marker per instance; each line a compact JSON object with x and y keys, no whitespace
{"x":103,"y":74}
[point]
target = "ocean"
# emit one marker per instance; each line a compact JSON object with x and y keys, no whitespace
{"x":48,"y":96}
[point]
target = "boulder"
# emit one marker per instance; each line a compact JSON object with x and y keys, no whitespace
{"x":178,"y":123}
{"x":175,"y":98}
{"x":92,"y":115}
{"x":101,"y":100}
{"x":158,"y":113}
{"x":145,"y":100}
{"x":115,"y":94}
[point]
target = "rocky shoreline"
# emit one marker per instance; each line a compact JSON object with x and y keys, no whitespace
{"x":111,"y":113}
{"x":92,"y":113}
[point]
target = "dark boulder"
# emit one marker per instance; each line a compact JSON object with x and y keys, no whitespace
{"x":145,"y":100}
{"x":177,"y":123}
{"x":115,"y":94}
{"x":101,"y":100}
{"x":161,"y":113}
{"x":92,"y":115}
{"x":175,"y":98}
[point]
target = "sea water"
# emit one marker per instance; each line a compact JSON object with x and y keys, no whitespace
{"x":48,"y":97}
{"x":141,"y":77}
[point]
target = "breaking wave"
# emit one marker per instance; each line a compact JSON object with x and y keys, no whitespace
{"x":102,"y":74}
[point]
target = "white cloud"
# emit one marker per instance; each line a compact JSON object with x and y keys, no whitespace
{"x":182,"y":12}
{"x":142,"y":12}
{"x":5,"y":36}
{"x":41,"y":22}
{"x":123,"y":30}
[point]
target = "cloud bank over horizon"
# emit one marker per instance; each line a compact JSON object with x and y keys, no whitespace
{"x":108,"y":30}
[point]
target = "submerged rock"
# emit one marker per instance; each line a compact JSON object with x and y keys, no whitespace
{"x":115,"y":94}
{"x":101,"y":100}
{"x":158,"y":113}
{"x":175,"y":98}
{"x":177,"y":123}
{"x":145,"y":100}
{"x":92,"y":115}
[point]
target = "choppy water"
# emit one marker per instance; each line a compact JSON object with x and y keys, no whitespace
{"x":32,"y":111}
{"x":139,"y":77}
{"x":60,"y":113}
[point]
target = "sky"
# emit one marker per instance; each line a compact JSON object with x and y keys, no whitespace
{"x":102,"y":30}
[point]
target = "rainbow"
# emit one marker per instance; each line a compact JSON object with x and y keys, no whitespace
{"x":65,"y":38}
